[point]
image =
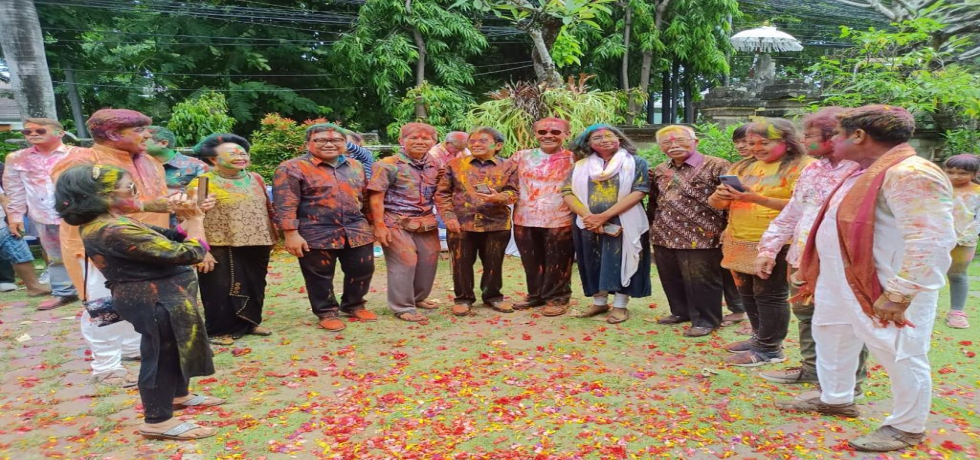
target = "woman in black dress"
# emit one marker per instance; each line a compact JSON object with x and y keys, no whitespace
{"x":153,"y":287}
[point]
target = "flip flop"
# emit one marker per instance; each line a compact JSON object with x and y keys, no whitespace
{"x":412,"y":319}
{"x":199,"y":401}
{"x":177,"y":433}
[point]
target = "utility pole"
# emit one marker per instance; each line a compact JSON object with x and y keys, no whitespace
{"x":23,"y":49}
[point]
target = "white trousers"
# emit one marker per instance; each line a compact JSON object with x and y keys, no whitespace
{"x":109,"y":344}
{"x":838,"y":347}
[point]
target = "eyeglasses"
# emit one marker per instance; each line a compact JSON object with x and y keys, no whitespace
{"x":131,"y":188}
{"x":553,"y":132}
{"x":482,"y":141}
{"x":680,"y":141}
{"x":333,"y":140}
{"x":604,"y":137}
{"x":31,"y":132}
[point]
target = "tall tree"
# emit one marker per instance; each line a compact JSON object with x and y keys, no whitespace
{"x":23,"y":49}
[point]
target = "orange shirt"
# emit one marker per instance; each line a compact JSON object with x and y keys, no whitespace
{"x":146,"y":172}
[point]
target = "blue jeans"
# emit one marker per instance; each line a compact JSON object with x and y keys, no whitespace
{"x":51,"y":242}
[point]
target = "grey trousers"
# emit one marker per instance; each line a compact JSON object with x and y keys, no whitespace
{"x":412,"y":260}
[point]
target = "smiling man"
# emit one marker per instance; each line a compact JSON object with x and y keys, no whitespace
{"x":319,"y":203}
{"x":402,"y":192}
{"x":686,"y":231}
{"x":120,"y":140}
{"x":542,"y":220}
{"x":27,"y":181}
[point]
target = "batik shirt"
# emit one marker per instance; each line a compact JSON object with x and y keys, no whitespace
{"x":325,"y":203}
{"x":409,"y":186}
{"x":682,"y":218}
{"x":181,"y":170}
{"x":793,"y":225}
{"x":457,"y":200}
{"x":540,"y":177}
{"x":27,"y":178}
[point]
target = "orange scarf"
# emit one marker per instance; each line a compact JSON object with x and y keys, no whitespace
{"x":855,"y":231}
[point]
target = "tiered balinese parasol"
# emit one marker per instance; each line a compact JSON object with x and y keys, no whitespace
{"x":762,"y":41}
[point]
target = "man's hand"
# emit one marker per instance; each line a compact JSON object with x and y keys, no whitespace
{"x":208,"y":204}
{"x":492,"y":197}
{"x":295,"y":244}
{"x":763,"y":267}
{"x":890,"y":311}
{"x":17,"y":229}
{"x":207,"y":265}
{"x":453,"y":226}
{"x":382,"y":234}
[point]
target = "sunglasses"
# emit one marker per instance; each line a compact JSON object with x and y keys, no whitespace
{"x":553,"y":132}
{"x":30,"y":132}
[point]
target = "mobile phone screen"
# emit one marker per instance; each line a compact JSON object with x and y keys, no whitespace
{"x":202,"y":189}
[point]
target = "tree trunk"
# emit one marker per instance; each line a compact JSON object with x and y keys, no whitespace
{"x":23,"y":49}
{"x":666,"y":98}
{"x":689,"y":89}
{"x":419,"y":65}
{"x":645,"y":67}
{"x":544,"y":66}
{"x":75,"y":100}
{"x":675,"y":89}
{"x":625,"y":66}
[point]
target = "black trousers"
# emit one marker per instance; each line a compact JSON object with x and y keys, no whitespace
{"x":767,"y":304}
{"x":318,"y":267}
{"x":158,"y":402}
{"x":491,"y":248}
{"x":692,"y":282}
{"x":547,"y":255}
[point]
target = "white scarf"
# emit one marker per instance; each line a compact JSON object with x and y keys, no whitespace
{"x":633,"y":220}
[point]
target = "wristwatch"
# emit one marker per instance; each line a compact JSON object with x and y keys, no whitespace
{"x":898,"y":298}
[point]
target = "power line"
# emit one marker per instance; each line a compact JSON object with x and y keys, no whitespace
{"x":176,"y":74}
{"x":219,"y":90}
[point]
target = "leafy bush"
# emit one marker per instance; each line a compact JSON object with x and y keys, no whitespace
{"x":712,"y":141}
{"x":961,"y":141}
{"x":445,"y":109}
{"x":199,"y":117}
{"x":6,"y":147}
{"x":278,"y":139}
{"x":514,"y":108}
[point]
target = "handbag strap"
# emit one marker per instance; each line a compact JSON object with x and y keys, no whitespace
{"x":85,"y":280}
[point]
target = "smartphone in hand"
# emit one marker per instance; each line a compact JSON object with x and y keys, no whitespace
{"x":202,"y":189}
{"x":733,"y":182}
{"x":482,"y":188}
{"x":612,"y":229}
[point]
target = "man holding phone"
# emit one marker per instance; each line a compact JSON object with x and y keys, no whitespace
{"x":474,"y":195}
{"x":686,"y":231}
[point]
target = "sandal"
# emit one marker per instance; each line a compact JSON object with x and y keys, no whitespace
{"x":199,"y":401}
{"x":412,"y":317}
{"x":259,"y":330}
{"x":121,"y":379}
{"x":733,"y":318}
{"x":427,"y":305}
{"x":222,"y":340}
{"x":181,"y":432}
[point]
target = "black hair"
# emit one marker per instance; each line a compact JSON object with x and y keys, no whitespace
{"x":159,"y":133}
{"x":740,"y":133}
{"x":205,"y":148}
{"x":965,"y":161}
{"x":81,"y":193}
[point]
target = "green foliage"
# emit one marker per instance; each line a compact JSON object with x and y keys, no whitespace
{"x":514,"y":109}
{"x":199,"y":117}
{"x":712,"y":141}
{"x":962,"y":140}
{"x":276,"y":140}
{"x":6,"y":147}
{"x":445,"y":108}
{"x":902,"y":68}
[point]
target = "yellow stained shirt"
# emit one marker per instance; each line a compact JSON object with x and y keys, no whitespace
{"x":748,"y":221}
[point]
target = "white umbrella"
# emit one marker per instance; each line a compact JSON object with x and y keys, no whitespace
{"x":765,"y":39}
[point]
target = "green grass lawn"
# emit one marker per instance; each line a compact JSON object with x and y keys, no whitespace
{"x":487,"y":386}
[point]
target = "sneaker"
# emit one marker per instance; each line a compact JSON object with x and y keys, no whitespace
{"x":815,"y":393}
{"x":332,"y":323}
{"x":56,"y":302}
{"x":461,"y":309}
{"x":886,"y":439}
{"x":501,"y":306}
{"x":791,"y":376}
{"x":848,"y":410}
{"x":739,"y":347}
{"x":756,"y":358}
{"x":45,"y":278}
{"x":8,"y":287}
{"x":956,"y":319}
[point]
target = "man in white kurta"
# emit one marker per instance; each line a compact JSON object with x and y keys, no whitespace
{"x":913,"y":234}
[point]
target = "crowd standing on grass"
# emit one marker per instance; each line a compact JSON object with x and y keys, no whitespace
{"x":841,"y":225}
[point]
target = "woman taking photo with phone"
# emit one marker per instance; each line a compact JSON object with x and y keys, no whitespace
{"x":611,"y":232}
{"x":762,"y":186}
{"x":241,"y":234}
{"x":146,"y":268}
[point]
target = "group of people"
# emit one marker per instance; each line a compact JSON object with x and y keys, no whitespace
{"x":847,"y":203}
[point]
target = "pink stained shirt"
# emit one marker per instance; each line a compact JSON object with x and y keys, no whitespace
{"x":540,"y":178}
{"x":27,"y":179}
{"x":793,"y":224}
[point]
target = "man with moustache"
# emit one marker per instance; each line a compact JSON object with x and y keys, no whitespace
{"x":319,"y":203}
{"x":686,"y":232}
{"x":401,"y":193}
{"x":542,"y":220}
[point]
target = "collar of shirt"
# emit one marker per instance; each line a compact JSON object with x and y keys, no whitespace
{"x":404,"y":158}
{"x":494,"y":159}
{"x":317,"y":162}
{"x":62,"y":148}
{"x":696,"y":159}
